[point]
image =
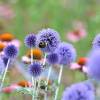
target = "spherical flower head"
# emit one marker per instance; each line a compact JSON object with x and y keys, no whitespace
{"x":30,"y":40}
{"x":48,"y":40}
{"x":35,"y":69}
{"x":67,"y":53}
{"x":78,"y":91}
{"x":93,"y":64}
{"x":52,"y":58}
{"x":2,"y":66}
{"x":89,"y":85}
{"x":96,"y":42}
{"x":11,"y":51}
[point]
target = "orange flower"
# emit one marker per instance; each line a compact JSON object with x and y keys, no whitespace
{"x":1,"y":46}
{"x":37,"y":54}
{"x":24,"y":83}
{"x":6,"y":37}
{"x":82,"y":61}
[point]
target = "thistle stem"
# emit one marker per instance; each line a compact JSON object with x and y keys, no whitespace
{"x":59,"y":80}
{"x":44,"y":61}
{"x":48,"y":77}
{"x":31,"y":55}
{"x":4,"y":75}
{"x":38,"y":86}
{"x":33,"y":81}
{"x":33,"y":88}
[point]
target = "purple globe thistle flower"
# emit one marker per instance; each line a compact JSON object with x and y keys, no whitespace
{"x":35,"y":69}
{"x":89,"y":85}
{"x":52,"y":58}
{"x":48,"y":40}
{"x":5,"y":60}
{"x":78,"y":91}
{"x":93,"y":64}
{"x":2,"y":66}
{"x":11,"y":51}
{"x":30,"y":40}
{"x":96,"y":42}
{"x":67,"y":53}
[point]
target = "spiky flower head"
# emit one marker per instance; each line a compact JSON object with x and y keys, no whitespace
{"x":52,"y":58}
{"x":96,"y":42}
{"x":67,"y":53}
{"x":11,"y":51}
{"x":79,"y":91}
{"x":48,"y":40}
{"x":30,"y":40}
{"x":35,"y":69}
{"x":93,"y":64}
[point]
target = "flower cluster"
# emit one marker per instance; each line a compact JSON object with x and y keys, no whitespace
{"x":80,"y":91}
{"x":46,"y":53}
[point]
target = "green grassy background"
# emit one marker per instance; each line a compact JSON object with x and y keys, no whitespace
{"x":34,"y":15}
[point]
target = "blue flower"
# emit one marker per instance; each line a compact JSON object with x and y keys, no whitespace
{"x":96,"y":42}
{"x":11,"y":51}
{"x":30,"y":40}
{"x":35,"y":69}
{"x":52,"y":58}
{"x":93,"y":64}
{"x":2,"y":66}
{"x":67,"y":53}
{"x":48,"y":40}
{"x":78,"y":91}
{"x":89,"y":85}
{"x":5,"y":60}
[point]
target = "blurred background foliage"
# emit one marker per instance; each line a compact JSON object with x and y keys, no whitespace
{"x":34,"y":15}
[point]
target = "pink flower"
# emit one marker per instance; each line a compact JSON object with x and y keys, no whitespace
{"x":6,"y":12}
{"x":80,"y":65}
{"x":77,"y":34}
{"x":75,"y":66}
{"x":26,"y":60}
{"x":85,"y":69}
{"x":15,"y":42}
{"x":10,"y":89}
{"x":16,"y":86}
